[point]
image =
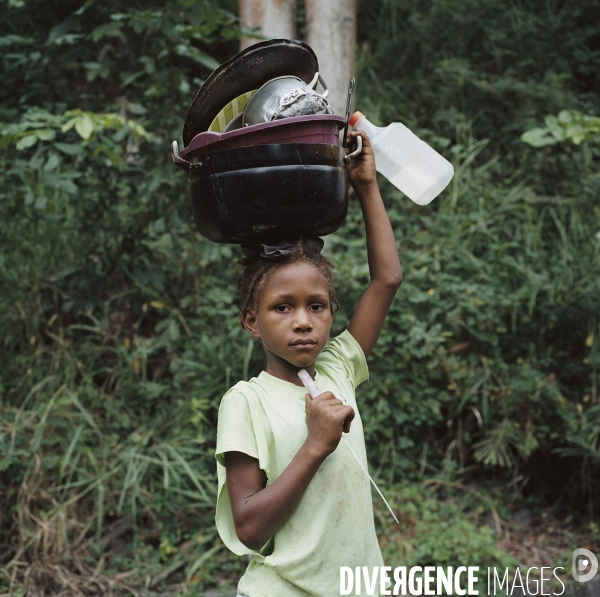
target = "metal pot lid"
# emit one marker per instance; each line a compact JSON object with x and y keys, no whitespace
{"x":248,"y":70}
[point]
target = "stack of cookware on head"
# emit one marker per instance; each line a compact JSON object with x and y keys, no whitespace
{"x":262,"y":149}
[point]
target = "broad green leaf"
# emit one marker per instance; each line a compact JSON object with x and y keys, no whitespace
{"x":139,"y":131}
{"x":69,"y":148}
{"x":40,"y":202}
{"x":37,"y":113}
{"x":46,"y":134}
{"x":27,"y":141}
{"x":592,"y":123}
{"x":121,"y":134}
{"x":136,"y":109}
{"x":105,"y":30}
{"x":196,"y":55}
{"x":149,"y":64}
{"x":9,"y":40}
{"x":68,"y":125}
{"x":565,"y":117}
{"x":59,"y":34}
{"x":112,"y":120}
{"x":131,"y":78}
{"x":84,"y":126}
{"x":558,"y":133}
{"x":538,"y":137}
{"x":576,"y":133}
{"x":52,"y":163}
{"x":60,"y":182}
{"x":93,"y":70}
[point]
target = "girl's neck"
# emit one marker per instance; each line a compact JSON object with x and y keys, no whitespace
{"x":285,"y":371}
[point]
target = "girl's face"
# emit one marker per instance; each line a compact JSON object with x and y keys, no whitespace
{"x":293,"y":318}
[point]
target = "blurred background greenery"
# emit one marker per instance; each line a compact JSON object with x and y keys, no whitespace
{"x":118,"y":320}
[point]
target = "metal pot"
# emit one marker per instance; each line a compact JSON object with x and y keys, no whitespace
{"x":267,"y":193}
{"x":286,"y":97}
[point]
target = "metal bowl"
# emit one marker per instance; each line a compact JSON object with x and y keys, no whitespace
{"x":285,"y":97}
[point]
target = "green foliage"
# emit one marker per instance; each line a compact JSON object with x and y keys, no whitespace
{"x":105,"y":388}
{"x":488,"y":335}
{"x":440,"y":529}
{"x":500,"y":443}
{"x":569,"y":124}
{"x":485,"y":355}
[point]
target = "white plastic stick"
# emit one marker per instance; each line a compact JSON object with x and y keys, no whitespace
{"x":313,"y":390}
{"x":309,"y":383}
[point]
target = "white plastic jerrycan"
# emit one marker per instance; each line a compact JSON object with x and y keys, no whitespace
{"x":411,"y":165}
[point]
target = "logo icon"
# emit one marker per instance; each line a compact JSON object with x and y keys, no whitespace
{"x":582,"y":560}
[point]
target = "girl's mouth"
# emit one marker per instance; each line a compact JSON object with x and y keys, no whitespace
{"x":303,"y":342}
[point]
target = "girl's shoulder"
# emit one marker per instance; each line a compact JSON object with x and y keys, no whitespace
{"x":343,"y":353}
{"x":342,"y":346}
{"x":241,"y":395}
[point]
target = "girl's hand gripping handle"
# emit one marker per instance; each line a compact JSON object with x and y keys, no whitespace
{"x":326,"y":417}
{"x":311,"y":386}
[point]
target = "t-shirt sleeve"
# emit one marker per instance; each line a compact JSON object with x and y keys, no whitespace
{"x":346,"y":351}
{"x":235,"y":432}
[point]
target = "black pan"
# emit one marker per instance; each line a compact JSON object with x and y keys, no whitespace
{"x":266,"y":193}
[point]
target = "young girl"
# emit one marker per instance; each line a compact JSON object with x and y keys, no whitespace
{"x":289,"y":493}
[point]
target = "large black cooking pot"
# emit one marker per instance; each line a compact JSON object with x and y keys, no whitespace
{"x":268,"y":192}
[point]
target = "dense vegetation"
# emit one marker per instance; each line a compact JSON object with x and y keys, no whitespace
{"x":118,"y":321}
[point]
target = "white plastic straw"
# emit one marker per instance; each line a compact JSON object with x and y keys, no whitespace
{"x":313,"y":390}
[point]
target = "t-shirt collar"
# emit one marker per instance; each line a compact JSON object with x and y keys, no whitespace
{"x":283,"y":387}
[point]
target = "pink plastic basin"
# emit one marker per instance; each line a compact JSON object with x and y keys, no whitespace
{"x":316,"y":128}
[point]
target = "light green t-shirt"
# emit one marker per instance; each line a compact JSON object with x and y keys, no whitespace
{"x":332,"y":525}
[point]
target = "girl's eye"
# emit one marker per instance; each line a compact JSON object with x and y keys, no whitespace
{"x":281,"y":308}
{"x":317,"y":307}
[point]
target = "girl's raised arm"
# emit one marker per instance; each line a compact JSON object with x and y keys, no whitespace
{"x":384,"y":265}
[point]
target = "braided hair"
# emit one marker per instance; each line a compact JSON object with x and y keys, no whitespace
{"x":257,"y":271}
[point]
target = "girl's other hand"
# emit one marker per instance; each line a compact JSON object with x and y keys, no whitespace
{"x":361,"y":170}
{"x":326,"y":418}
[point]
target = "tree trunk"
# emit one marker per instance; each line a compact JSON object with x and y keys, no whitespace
{"x":272,"y":18}
{"x":331,"y":26}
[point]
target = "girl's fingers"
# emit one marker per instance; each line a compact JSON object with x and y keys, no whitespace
{"x":327,"y":398}
{"x":307,"y":400}
{"x":348,"y":420}
{"x":346,"y":415}
{"x":328,"y":401}
{"x":359,"y":133}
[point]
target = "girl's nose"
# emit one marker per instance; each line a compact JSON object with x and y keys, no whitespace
{"x":302,"y":320}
